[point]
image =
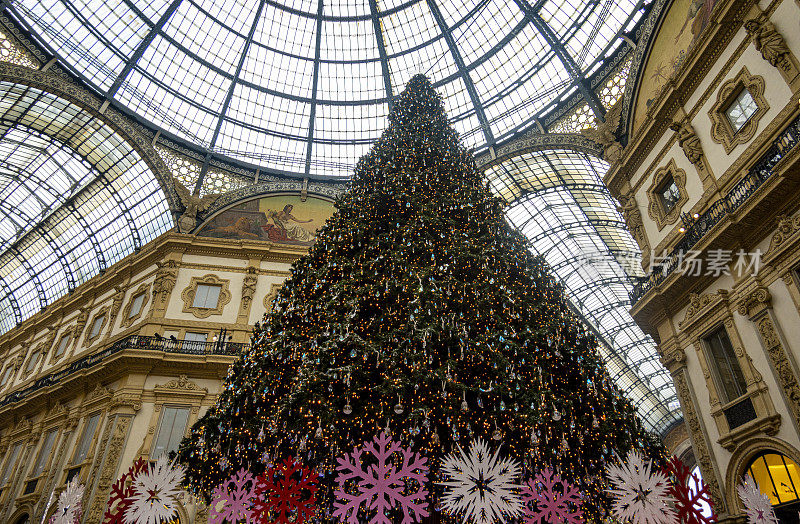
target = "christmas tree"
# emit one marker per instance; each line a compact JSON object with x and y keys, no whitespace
{"x":421,"y":313}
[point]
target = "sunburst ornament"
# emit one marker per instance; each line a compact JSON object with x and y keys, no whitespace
{"x":155,"y":493}
{"x":481,"y":487}
{"x":640,"y":495}
{"x":756,"y":505}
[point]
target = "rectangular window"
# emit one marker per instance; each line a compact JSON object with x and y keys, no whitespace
{"x":12,"y":459}
{"x":170,"y":430}
{"x":62,"y":345}
{"x":741,"y":109}
{"x":96,"y":326}
{"x":136,"y":305}
{"x":727,"y":371}
{"x":669,"y":194}
{"x":207,"y":296}
{"x":44,"y":453}
{"x":86,"y":439}
{"x":32,"y":362}
{"x":196,"y":337}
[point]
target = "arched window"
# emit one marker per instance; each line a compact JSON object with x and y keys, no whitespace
{"x":778,"y":477}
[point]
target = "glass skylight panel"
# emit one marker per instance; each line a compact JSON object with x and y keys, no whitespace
{"x":277,"y":72}
{"x":206,"y":38}
{"x":433,"y":59}
{"x":286,"y":32}
{"x":408,"y":28}
{"x":359,"y":81}
{"x":478,"y":35}
{"x":345,"y":41}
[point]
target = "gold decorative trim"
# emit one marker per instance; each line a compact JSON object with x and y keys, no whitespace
{"x":772,"y":46}
{"x":127,"y":319}
{"x":655,"y":208}
{"x":248,"y":290}
{"x":69,"y":332}
{"x":181,"y":385}
{"x":787,"y":228}
{"x":189,"y":292}
{"x":721,"y":130}
{"x":87,"y":341}
{"x":113,"y":454}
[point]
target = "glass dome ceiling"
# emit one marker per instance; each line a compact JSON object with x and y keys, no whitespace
{"x":303,"y":86}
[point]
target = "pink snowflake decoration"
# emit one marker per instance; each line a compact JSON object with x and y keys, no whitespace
{"x":549,"y":499}
{"x":233,"y":499}
{"x":285,"y":494}
{"x":395,"y":479}
{"x":690,"y":501}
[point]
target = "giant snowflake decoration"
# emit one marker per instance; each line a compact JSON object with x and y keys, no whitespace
{"x":155,"y":492}
{"x":122,"y":494}
{"x":68,"y":510}
{"x":393,"y":479}
{"x":756,"y":505}
{"x":689,"y":501}
{"x":555,"y":500}
{"x":641,"y":496}
{"x":285,"y":494}
{"x":233,"y":499}
{"x":481,"y":487}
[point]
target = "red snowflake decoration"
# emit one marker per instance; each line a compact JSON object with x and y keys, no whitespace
{"x":122,"y":493}
{"x":549,"y":499}
{"x":689,"y":501}
{"x":285,"y":494}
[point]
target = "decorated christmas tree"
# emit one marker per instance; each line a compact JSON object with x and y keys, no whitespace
{"x":418,"y":313}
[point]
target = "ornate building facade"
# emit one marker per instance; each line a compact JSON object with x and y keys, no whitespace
{"x":710,"y":179}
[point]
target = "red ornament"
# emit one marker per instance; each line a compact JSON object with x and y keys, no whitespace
{"x":285,"y":494}
{"x":690,"y":500}
{"x":121,"y":493}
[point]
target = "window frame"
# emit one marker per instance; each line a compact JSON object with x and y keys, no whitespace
{"x":727,"y":110}
{"x":158,"y":429}
{"x":713,"y":365}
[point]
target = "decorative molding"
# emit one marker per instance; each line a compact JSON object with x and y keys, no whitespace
{"x":772,"y":46}
{"x":181,"y":385}
{"x":108,"y":472}
{"x":629,"y":209}
{"x":701,"y":303}
{"x":699,"y":443}
{"x":604,"y":133}
{"x":786,"y":229}
{"x":755,"y":302}
{"x":270,"y":297}
{"x":692,"y":148}
{"x":721,"y":130}
{"x":127,"y":318}
{"x":116,"y":304}
{"x":189,"y":292}
{"x":655,"y":208}
{"x":164,"y":283}
{"x":535,"y":141}
{"x":248,"y":290}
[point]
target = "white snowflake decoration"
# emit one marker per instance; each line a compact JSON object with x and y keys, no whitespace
{"x":641,"y":496}
{"x":481,"y":487}
{"x":756,"y":505}
{"x":68,"y":510}
{"x":155,"y":493}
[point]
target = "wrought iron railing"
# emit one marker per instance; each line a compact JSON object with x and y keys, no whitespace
{"x":140,"y":342}
{"x":761,"y":171}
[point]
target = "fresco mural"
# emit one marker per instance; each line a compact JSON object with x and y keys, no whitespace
{"x":282,"y":219}
{"x":682,"y":25}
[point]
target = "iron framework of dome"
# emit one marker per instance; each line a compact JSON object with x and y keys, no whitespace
{"x":303,"y":86}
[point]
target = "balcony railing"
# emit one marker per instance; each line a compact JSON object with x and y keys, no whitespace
{"x":761,"y":171}
{"x":139,"y":342}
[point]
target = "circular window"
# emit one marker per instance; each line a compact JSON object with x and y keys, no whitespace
{"x":778,"y":477}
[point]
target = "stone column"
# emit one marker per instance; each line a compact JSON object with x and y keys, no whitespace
{"x":757,"y":306}
{"x":675,"y":361}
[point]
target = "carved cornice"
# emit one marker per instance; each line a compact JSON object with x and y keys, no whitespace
{"x":181,"y":386}
{"x":534,"y":141}
{"x":700,"y":304}
{"x":787,"y":229}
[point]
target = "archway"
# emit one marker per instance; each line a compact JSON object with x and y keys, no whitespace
{"x":778,"y":476}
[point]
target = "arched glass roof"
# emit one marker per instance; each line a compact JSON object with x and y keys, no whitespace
{"x":75,"y":197}
{"x":557,"y":199}
{"x":303,"y":86}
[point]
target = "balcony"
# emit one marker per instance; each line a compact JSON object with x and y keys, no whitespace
{"x":735,"y":199}
{"x":133,"y":342}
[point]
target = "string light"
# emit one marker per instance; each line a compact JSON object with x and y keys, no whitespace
{"x":419,"y":310}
